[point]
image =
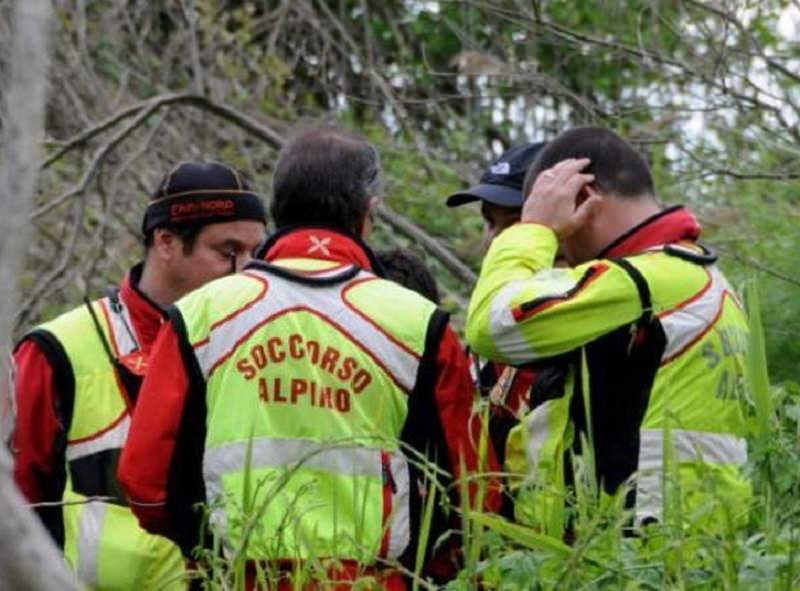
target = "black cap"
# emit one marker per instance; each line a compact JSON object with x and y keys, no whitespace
{"x":199,"y":177}
{"x":202,"y":193}
{"x":502,"y":183}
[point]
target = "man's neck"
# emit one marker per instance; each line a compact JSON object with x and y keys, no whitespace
{"x":319,"y":243}
{"x":624,"y":216}
{"x":155,"y":287}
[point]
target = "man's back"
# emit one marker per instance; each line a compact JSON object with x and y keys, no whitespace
{"x":688,"y":374}
{"x":321,"y":363}
{"x":699,"y":387}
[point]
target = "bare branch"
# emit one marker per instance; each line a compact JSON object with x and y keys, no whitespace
{"x":404,"y":226}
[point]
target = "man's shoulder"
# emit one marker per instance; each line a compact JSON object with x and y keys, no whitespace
{"x":223,"y":291}
{"x":72,"y":320}
{"x":677,"y":273}
{"x":391,"y":296}
{"x":393,"y":309}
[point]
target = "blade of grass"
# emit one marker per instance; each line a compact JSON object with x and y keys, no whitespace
{"x":757,"y":360}
{"x":758,"y":379}
{"x":524,"y":536}
{"x":424,"y":532}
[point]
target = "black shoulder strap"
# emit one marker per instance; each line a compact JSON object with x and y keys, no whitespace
{"x":642,"y":287}
{"x":130,"y":382}
{"x":424,"y":433}
{"x":99,"y":329}
{"x":705,"y":257}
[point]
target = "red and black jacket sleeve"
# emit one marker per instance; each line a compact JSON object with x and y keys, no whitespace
{"x":161,"y":464}
{"x":442,"y":426}
{"x":44,"y":395}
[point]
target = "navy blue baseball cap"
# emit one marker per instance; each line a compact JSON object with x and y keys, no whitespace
{"x":502,"y":183}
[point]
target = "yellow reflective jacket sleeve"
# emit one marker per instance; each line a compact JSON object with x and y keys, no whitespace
{"x":523,"y":309}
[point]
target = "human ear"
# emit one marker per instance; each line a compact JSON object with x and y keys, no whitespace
{"x":165,"y":243}
{"x":369,"y":217}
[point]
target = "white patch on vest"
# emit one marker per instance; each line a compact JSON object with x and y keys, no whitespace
{"x":345,"y":459}
{"x":508,"y":337}
{"x":683,"y":326}
{"x":506,"y":333}
{"x":114,"y":438}
{"x":538,"y":428}
{"x":553,"y":282}
{"x":400,"y":528}
{"x":90,"y":530}
{"x":720,"y":449}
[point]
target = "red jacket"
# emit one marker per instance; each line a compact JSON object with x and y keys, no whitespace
{"x":160,"y":465}
{"x":42,"y":410}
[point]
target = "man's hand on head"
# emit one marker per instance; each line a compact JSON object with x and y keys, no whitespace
{"x":553,"y":199}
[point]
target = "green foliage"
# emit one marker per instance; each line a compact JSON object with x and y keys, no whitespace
{"x":441,"y":87}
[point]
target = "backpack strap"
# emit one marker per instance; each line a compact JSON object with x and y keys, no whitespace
{"x":641,"y":286}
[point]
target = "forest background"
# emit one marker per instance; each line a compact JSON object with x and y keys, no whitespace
{"x":708,"y":91}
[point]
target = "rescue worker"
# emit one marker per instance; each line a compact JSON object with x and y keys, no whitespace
{"x":661,"y":331}
{"x":78,"y":377}
{"x":507,"y":388}
{"x":499,"y":190}
{"x":315,"y":381}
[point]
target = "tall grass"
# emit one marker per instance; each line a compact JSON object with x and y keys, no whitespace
{"x":498,"y":554}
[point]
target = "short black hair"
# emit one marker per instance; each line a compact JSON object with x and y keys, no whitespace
{"x":325,"y":175}
{"x":402,"y":267}
{"x":618,"y":169}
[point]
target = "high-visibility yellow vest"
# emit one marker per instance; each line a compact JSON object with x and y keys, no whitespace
{"x":307,"y":374}
{"x":102,"y":540}
{"x":692,"y":392}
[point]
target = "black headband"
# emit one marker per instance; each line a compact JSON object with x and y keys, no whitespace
{"x":203,"y":207}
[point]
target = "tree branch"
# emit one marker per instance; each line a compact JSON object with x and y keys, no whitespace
{"x":406,"y":227}
{"x":147,"y":108}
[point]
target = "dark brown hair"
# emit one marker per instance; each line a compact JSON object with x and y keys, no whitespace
{"x":325,"y":175}
{"x":617,"y":168}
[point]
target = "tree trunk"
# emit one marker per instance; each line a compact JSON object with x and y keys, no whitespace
{"x":29,"y":561}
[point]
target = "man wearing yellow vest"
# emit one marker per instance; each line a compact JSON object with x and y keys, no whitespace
{"x":78,"y":378}
{"x":646,"y":310}
{"x":306,"y":400}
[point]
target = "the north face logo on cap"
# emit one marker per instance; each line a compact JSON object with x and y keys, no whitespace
{"x":500,"y":168}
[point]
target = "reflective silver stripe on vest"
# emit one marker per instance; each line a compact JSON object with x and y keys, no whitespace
{"x":400,"y":529}
{"x":538,"y":430}
{"x":687,"y":446}
{"x":338,"y":459}
{"x":683,"y":325}
{"x":287,"y":453}
{"x":90,"y":530}
{"x":119,"y":323}
{"x":508,"y":337}
{"x":114,"y":438}
{"x":328,"y":302}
